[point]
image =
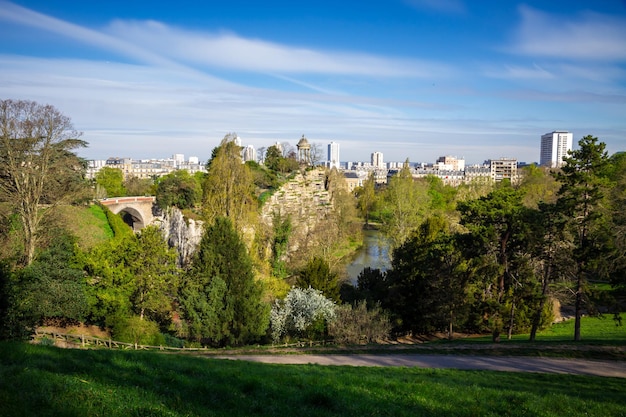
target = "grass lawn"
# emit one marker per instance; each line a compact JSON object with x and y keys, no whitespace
{"x":40,"y":380}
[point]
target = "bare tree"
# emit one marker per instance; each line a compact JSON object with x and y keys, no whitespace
{"x":38,"y":169}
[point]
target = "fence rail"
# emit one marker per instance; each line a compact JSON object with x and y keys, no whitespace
{"x":87,"y":342}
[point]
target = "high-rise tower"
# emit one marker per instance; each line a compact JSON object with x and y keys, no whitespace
{"x":333,"y":155}
{"x":554,"y":147}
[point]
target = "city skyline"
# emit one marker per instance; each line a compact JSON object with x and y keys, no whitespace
{"x":414,"y":79}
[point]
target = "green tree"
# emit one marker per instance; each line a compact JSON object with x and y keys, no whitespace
{"x":538,"y":186}
{"x":229,"y":187}
{"x":220,"y":298}
{"x":366,"y":197}
{"x":406,"y":203}
{"x":427,"y":281}
{"x":110,"y":281}
{"x":112,"y":181}
{"x":494,"y":224}
{"x":317,"y":275}
{"x":179,"y":189}
{"x":139,"y":186}
{"x":53,"y":286}
{"x":38,"y":169}
{"x":156,"y":276}
{"x":581,"y":200}
{"x":282,"y":231}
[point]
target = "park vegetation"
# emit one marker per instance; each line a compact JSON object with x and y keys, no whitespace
{"x":479,"y":257}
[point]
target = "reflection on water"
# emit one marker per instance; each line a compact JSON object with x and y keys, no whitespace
{"x":374,"y":253}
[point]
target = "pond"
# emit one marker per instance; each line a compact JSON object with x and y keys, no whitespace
{"x":374,"y":254}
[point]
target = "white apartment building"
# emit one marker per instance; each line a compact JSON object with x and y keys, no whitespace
{"x":554,"y":147}
{"x":249,"y":153}
{"x":333,"y":155}
{"x":450,"y":163}
{"x":377,"y":160}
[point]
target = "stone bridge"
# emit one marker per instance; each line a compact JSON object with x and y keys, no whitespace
{"x":137,"y":212}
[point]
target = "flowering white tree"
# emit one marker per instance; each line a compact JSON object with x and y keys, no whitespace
{"x":299,"y":311}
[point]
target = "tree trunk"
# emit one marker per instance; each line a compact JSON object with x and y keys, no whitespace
{"x":542,"y":303}
{"x":579,"y":306}
{"x":509,"y":333}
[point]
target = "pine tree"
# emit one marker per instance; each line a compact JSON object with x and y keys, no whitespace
{"x":580,"y":200}
{"x":220,"y":298}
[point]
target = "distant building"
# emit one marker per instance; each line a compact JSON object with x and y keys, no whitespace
{"x":178,"y":158}
{"x":503,"y":168}
{"x":450,"y":163}
{"x":554,"y":147}
{"x":333,"y":155}
{"x":377,"y":160}
{"x":249,"y":153}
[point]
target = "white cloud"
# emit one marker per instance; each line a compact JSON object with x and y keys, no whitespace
{"x":228,"y":50}
{"x":591,"y":36}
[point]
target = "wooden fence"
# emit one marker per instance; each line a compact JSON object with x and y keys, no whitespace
{"x":90,"y":342}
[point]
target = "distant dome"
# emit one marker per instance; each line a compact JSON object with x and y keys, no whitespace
{"x":303,"y":143}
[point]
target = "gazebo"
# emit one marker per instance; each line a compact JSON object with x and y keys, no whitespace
{"x":304,"y":151}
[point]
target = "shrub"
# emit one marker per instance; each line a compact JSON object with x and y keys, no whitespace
{"x":137,"y":330}
{"x":304,"y":312}
{"x":356,"y":324}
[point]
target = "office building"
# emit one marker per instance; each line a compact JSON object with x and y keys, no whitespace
{"x":333,"y":155}
{"x":554,"y":147}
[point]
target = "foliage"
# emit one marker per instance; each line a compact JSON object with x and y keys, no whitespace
{"x":317,"y":275}
{"x":228,"y":187}
{"x":495,"y":223}
{"x":372,"y":286}
{"x":406,"y":203}
{"x":15,"y":323}
{"x":137,"y":330}
{"x":220,"y":298}
{"x":358,"y":324}
{"x":428,"y":280}
{"x":116,"y":223}
{"x":52,"y":287}
{"x":112,"y":181}
{"x":366,"y":197}
{"x":282,"y":231}
{"x":139,"y":186}
{"x":179,"y":189}
{"x":156,"y":276}
{"x":303,"y":313}
{"x":275,"y":161}
{"x":581,"y":200}
{"x":38,"y":169}
{"x":110,"y":280}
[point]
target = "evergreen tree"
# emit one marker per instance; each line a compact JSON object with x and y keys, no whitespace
{"x":581,"y":200}
{"x":220,"y":298}
{"x":317,"y":275}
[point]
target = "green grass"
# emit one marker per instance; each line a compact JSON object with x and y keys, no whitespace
{"x":594,"y":331}
{"x":47,"y":381}
{"x":89,"y":224}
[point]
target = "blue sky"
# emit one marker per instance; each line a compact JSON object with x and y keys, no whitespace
{"x":413,"y":79}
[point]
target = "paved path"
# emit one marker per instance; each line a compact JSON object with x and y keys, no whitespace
{"x":508,"y":364}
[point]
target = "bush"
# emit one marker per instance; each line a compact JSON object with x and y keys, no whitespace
{"x":137,"y":330}
{"x":301,"y":313}
{"x":354,"y":325}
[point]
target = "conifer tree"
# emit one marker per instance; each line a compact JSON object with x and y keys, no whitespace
{"x":220,"y":298}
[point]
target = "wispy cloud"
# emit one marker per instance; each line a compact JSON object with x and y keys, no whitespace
{"x":228,"y":50}
{"x":591,"y":36}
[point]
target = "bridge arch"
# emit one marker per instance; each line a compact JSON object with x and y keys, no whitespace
{"x":137,"y":212}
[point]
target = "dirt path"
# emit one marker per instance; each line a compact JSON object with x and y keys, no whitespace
{"x":508,"y":364}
